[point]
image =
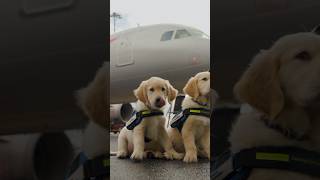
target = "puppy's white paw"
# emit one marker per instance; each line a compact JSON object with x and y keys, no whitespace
{"x":191,"y":156}
{"x":168,"y":155}
{"x":122,"y":154}
{"x":173,"y":155}
{"x":137,"y":155}
{"x":157,"y":154}
{"x":177,"y":155}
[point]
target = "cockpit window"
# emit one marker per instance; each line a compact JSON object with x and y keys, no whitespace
{"x":197,"y":33}
{"x":181,"y":33}
{"x":166,"y":36}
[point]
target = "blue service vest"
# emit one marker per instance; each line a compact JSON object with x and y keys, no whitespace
{"x":137,"y":117}
{"x":179,"y":119}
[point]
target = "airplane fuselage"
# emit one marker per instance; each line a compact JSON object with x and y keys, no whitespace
{"x":142,"y":52}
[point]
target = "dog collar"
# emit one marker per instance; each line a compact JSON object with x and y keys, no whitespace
{"x":270,"y":157}
{"x":288,"y":132}
{"x":96,"y":168}
{"x":179,"y":119}
{"x":201,"y":100}
{"x":137,"y":117}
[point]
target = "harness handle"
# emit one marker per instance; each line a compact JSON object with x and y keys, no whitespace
{"x":284,"y":158}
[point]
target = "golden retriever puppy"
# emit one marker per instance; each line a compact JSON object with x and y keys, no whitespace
{"x":190,"y":132}
{"x":149,"y":135}
{"x":93,"y":101}
{"x":282,"y":86}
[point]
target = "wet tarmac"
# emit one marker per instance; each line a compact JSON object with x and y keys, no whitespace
{"x":155,"y":169}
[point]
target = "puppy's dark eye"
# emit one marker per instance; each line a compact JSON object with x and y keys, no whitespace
{"x":205,"y":79}
{"x":151,"y":89}
{"x":163,"y":89}
{"x":303,"y":56}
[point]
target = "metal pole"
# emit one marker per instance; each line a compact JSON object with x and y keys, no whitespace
{"x":114,"y":24}
{"x":115,"y":15}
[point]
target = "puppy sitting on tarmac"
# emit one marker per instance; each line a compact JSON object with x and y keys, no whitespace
{"x":190,"y":130}
{"x":146,"y":130}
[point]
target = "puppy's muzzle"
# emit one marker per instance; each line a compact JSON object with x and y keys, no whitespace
{"x":160,"y":102}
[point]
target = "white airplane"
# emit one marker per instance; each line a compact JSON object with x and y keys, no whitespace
{"x":171,"y":51}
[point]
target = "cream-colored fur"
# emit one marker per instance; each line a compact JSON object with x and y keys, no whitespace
{"x":283,"y":84}
{"x":93,"y":98}
{"x":93,"y":101}
{"x":194,"y":138}
{"x":132,"y":141}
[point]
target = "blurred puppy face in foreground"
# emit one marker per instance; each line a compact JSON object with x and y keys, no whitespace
{"x":155,"y":92}
{"x":283,"y":86}
{"x":299,"y":70}
{"x":287,"y":73}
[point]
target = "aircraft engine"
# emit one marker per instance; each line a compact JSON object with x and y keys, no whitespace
{"x":121,"y":112}
{"x":35,"y":156}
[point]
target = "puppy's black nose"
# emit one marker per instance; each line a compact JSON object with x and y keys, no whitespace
{"x":159,"y":102}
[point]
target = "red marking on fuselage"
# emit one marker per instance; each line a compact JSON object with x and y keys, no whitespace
{"x":112,"y":39}
{"x":195,"y":61}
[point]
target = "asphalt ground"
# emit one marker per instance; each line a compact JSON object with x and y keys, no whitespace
{"x":155,"y":169}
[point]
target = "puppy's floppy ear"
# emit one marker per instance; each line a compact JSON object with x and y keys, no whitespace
{"x":141,"y":93}
{"x":93,"y":98}
{"x":259,"y":86}
{"x":191,"y":88}
{"x":316,"y":29}
{"x":172,"y":92}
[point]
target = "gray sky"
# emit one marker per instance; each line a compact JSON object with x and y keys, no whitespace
{"x":195,"y":13}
